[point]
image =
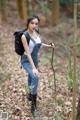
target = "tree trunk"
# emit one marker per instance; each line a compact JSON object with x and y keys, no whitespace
{"x":3,"y":11}
{"x":78,"y":110}
{"x":74,"y":64}
{"x":22,"y":8}
{"x":33,"y":5}
{"x":55,"y":12}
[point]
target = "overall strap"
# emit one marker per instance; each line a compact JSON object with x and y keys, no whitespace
{"x":28,"y":37}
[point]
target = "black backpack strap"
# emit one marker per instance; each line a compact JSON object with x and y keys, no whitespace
{"x":28,"y":37}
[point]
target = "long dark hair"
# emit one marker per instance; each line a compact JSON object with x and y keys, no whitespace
{"x":31,"y":18}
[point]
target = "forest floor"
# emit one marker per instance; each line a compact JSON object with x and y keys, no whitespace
{"x":13,"y":79}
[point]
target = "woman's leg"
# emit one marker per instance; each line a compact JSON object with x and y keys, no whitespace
{"x":33,"y":82}
{"x":32,"y":79}
{"x":29,"y":88}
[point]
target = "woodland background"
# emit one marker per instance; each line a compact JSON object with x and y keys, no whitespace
{"x":59,"y":23}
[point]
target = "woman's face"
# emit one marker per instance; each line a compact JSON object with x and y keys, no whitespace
{"x":33,"y":24}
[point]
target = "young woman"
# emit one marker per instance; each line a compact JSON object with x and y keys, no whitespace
{"x":29,"y":59}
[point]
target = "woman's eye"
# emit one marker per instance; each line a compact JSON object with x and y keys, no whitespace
{"x":34,"y":23}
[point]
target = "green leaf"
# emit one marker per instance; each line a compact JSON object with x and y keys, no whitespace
{"x":58,"y":116}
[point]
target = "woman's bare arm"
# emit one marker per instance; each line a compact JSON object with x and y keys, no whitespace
{"x":48,"y":45}
{"x":26,"y":47}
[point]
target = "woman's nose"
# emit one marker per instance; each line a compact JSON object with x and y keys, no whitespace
{"x":34,"y":25}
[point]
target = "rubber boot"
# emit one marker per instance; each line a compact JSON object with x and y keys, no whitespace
{"x":29,"y":97}
{"x":34,"y":106}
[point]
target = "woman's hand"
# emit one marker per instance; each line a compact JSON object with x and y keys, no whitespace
{"x":35,"y":71}
{"x":52,"y":45}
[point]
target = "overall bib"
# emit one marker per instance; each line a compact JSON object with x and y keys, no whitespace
{"x":32,"y":79}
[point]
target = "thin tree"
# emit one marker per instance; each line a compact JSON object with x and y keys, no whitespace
{"x":3,"y":10}
{"x":78,"y":110}
{"x":33,"y":5}
{"x":74,"y":64}
{"x":55,"y":12}
{"x":22,"y":8}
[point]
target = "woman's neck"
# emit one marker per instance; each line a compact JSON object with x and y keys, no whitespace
{"x":33,"y":34}
{"x":30,"y":31}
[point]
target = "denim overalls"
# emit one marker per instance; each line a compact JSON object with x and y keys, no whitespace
{"x":32,"y":79}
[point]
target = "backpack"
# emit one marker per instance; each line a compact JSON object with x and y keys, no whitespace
{"x":19,"y":49}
